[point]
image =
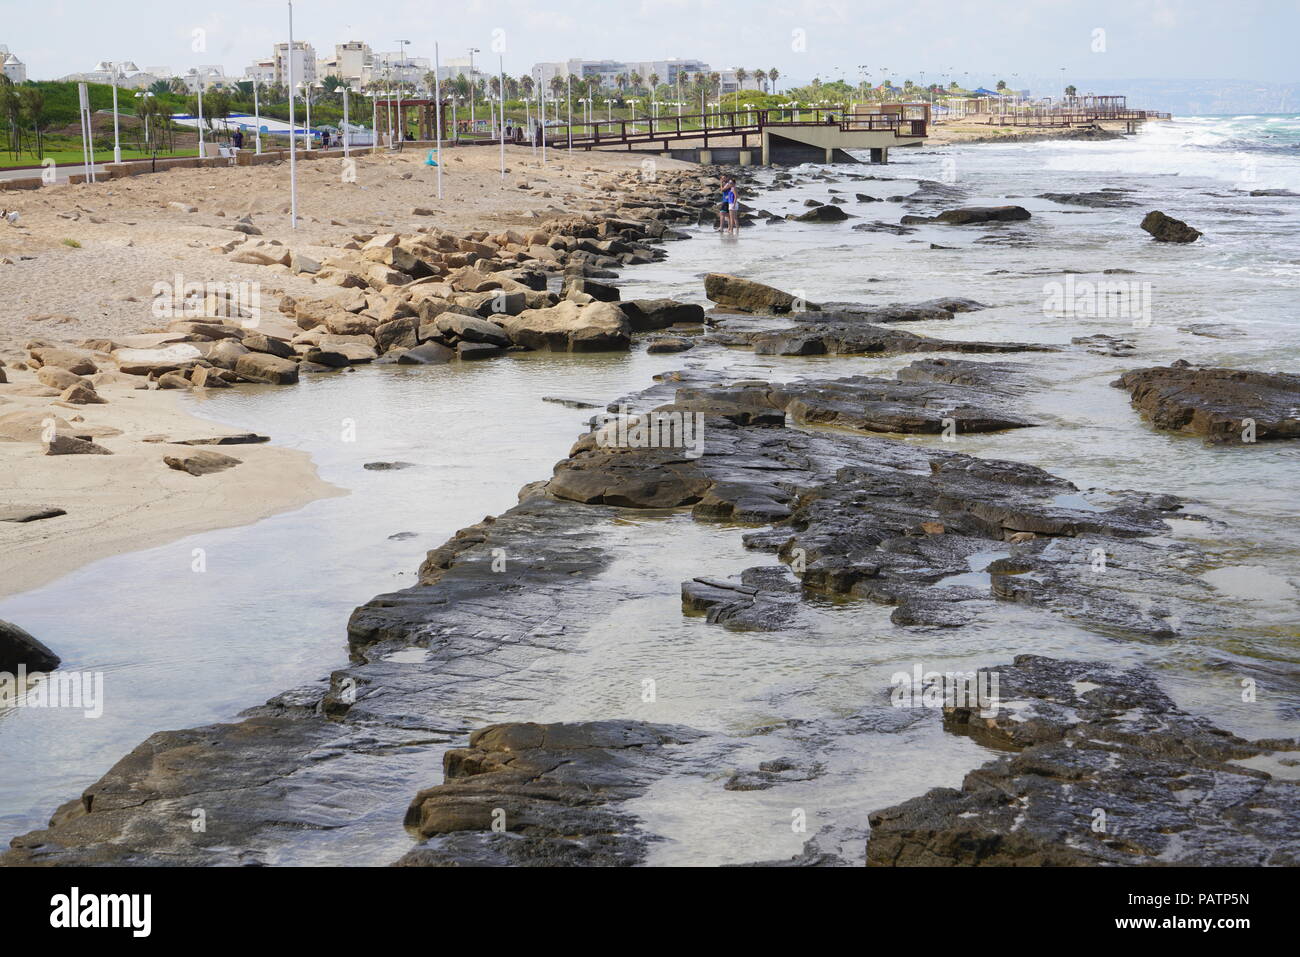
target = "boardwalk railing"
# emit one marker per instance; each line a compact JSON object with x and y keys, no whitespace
{"x":743,"y":123}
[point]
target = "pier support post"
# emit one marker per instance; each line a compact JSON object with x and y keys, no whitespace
{"x":706,"y":157}
{"x":746,"y":157}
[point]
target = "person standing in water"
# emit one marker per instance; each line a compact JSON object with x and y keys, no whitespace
{"x":732,"y":203}
{"x":723,"y":209}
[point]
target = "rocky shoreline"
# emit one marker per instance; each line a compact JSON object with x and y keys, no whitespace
{"x":840,"y":510}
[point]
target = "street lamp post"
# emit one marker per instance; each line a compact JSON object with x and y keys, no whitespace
{"x":257,"y":119}
{"x":293,"y":139}
{"x":114,"y":71}
{"x":401,"y":65}
{"x":198,"y":86}
{"x":346,"y":88}
{"x":472,"y":87}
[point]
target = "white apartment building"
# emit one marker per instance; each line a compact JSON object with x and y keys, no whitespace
{"x":12,"y":66}
{"x":304,"y":62}
{"x":352,"y":62}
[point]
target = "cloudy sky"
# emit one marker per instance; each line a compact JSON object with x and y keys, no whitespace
{"x":1030,"y":40}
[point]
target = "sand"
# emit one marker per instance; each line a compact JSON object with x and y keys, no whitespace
{"x":131,"y":238}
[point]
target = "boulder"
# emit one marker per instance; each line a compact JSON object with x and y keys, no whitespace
{"x":81,"y":393}
{"x":745,"y":295}
{"x":430,"y":353}
{"x":57,"y":378}
{"x":669,"y":344}
{"x":256,"y":342}
{"x":200,"y":462}
{"x":17,"y":647}
{"x":1166,"y":229}
{"x":71,"y":445}
{"x":76,"y":361}
{"x":179,"y":355}
{"x":471,"y":329}
{"x":569,"y":327}
{"x":982,"y":214}
{"x":649,"y":314}
{"x":263,"y":367}
{"x":823,"y":214}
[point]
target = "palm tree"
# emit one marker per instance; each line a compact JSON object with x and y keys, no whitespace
{"x":636,"y":81}
{"x":526,"y":84}
{"x":654,"y":82}
{"x":160,"y":87}
{"x":621,"y":81}
{"x":495,"y":85}
{"x":177,"y":85}
{"x":774,"y":74}
{"x":761,"y":76}
{"x":741,"y":76}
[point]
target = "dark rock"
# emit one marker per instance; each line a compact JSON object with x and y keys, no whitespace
{"x":548,"y":795}
{"x":1098,"y":199}
{"x":1218,"y":403}
{"x":17,"y":647}
{"x":823,"y":214}
{"x":387,"y":466}
{"x":646,"y":315}
{"x":1166,"y":229}
{"x":669,"y":344}
{"x":430,"y":353}
{"x":29,"y":513}
{"x":745,"y":295}
{"x":1105,"y":770}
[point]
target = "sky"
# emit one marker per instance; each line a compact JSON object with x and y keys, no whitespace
{"x":1026,"y":42}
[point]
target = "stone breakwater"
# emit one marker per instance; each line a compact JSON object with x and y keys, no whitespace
{"x":389,"y":748}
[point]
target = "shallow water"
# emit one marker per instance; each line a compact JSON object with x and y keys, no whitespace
{"x":180,"y":648}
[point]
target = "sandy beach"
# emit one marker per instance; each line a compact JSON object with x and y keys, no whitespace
{"x":128,"y":238}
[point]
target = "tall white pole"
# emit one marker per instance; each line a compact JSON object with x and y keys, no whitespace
{"x":257,"y":118}
{"x":568,"y":77}
{"x":473,"y":89}
{"x":346,"y":151}
{"x":374,"y":123}
{"x":501,"y":68}
{"x":437,"y":107}
{"x":117,"y":142}
{"x":293,"y":137}
{"x":541,"y":112}
{"x":198,"y":82}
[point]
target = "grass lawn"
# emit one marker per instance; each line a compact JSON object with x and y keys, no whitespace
{"x":75,"y":158}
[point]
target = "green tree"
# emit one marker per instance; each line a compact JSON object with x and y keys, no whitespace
{"x":774,"y":74}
